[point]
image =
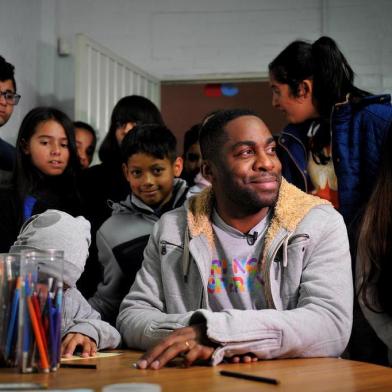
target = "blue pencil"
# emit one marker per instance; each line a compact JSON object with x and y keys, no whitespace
{"x":12,"y":323}
{"x":59,"y":306}
{"x":52,"y":332}
{"x":26,"y":330}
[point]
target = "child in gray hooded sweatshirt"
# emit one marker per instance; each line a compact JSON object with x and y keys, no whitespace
{"x":82,"y":327}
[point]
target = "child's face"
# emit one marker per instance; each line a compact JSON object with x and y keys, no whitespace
{"x":151,"y":179}
{"x":48,"y":148}
{"x":122,"y":131}
{"x":84,"y":140}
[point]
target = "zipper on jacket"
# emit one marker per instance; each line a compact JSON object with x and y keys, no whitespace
{"x":294,"y":237}
{"x":163,"y":246}
{"x":268,"y":294}
{"x":269,"y":261}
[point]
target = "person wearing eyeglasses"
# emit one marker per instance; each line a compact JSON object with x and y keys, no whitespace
{"x":8,"y":99}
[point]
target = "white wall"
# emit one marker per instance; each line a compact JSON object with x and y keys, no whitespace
{"x":363,"y":29}
{"x":20,"y":29}
{"x":177,"y":37}
{"x":185,"y":38}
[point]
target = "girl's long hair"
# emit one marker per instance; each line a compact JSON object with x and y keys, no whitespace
{"x":26,"y":177}
{"x":134,"y":109}
{"x":332,"y":76}
{"x":375,"y":240}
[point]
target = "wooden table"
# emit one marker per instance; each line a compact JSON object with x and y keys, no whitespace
{"x":315,"y":374}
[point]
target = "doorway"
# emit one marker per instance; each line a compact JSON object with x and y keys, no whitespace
{"x":184,"y":104}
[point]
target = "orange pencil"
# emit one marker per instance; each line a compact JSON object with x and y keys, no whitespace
{"x":38,"y":337}
{"x":37,"y":309}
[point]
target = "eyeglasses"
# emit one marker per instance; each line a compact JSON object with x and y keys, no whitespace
{"x":11,"y":98}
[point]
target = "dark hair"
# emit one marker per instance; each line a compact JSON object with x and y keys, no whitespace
{"x":333,"y":78}
{"x":212,"y":133}
{"x":324,"y":64}
{"x":151,"y":139}
{"x":7,"y":71}
{"x":88,"y":128}
{"x":191,"y":137}
{"x":375,"y":239}
{"x":26,"y":176}
{"x":135,"y":109}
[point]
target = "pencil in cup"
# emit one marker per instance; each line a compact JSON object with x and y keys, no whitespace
{"x":58,"y":318}
{"x":39,"y":338}
{"x":9,"y":305}
{"x":12,"y":325}
{"x":42,"y":299}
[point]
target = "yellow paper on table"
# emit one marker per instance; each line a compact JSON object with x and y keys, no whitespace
{"x":98,"y":355}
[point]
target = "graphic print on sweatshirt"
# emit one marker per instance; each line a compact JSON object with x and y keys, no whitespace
{"x":235,"y":279}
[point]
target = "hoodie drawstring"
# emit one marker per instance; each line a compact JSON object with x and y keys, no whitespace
{"x":186,"y":262}
{"x":285,"y":245}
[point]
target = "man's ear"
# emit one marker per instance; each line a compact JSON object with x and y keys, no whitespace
{"x":305,"y":89}
{"x":178,"y":164}
{"x":206,"y":170}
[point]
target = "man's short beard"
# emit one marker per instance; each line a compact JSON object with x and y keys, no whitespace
{"x":248,"y":203}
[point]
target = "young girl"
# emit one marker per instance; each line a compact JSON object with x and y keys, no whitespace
{"x":45,"y":172}
{"x":374,"y":267}
{"x":332,"y":145}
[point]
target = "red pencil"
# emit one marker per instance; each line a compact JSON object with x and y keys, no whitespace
{"x":38,"y":337}
{"x":37,"y":309}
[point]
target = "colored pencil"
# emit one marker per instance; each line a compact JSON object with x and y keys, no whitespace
{"x":11,"y":331}
{"x":37,"y":310}
{"x":52,"y":332}
{"x":59,"y":306}
{"x":79,"y":365}
{"x":37,"y":334}
{"x":250,"y":377}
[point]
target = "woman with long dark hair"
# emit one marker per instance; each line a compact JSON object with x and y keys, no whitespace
{"x":374,"y":256}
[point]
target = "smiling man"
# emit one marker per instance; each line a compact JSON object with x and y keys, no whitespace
{"x":251,"y":268}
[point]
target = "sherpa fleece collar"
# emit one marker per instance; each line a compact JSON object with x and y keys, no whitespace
{"x":290,"y":209}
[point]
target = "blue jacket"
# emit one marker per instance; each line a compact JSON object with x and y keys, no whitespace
{"x":358,"y":132}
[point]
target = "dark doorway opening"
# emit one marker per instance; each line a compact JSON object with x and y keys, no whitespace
{"x":184,"y":104}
